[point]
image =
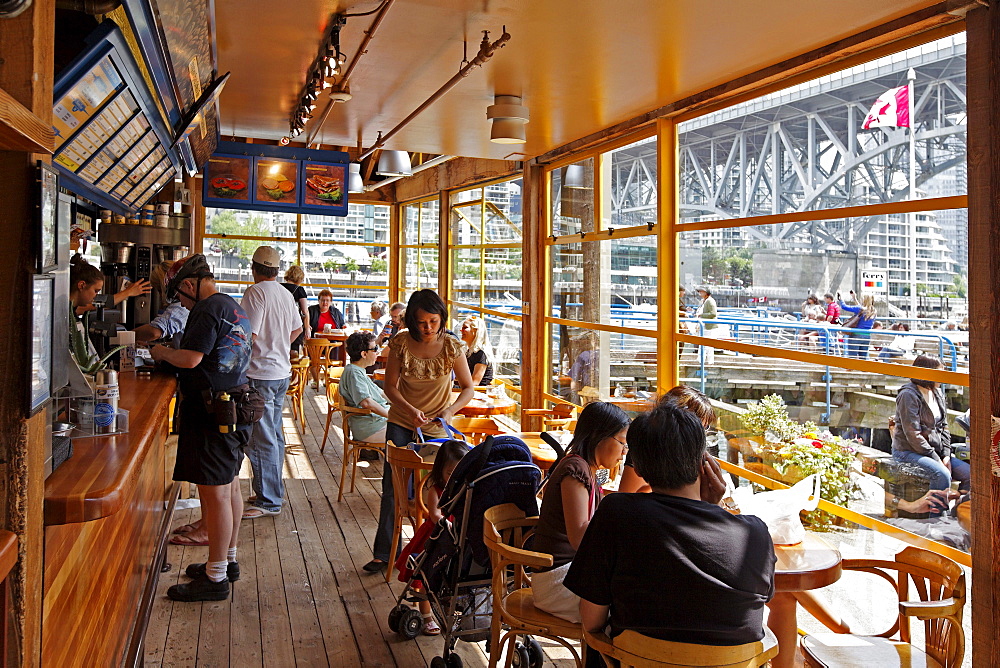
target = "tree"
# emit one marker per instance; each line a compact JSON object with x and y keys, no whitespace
{"x":959,"y":285}
{"x":379,"y":266}
{"x":225,"y":222}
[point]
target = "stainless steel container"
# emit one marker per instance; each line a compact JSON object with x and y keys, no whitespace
{"x":180,"y":221}
{"x":116,"y":251}
{"x":170,"y":253}
{"x":106,"y":402}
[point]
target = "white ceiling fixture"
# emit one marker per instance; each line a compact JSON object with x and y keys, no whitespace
{"x":394,"y":163}
{"x":355,"y":184}
{"x":509,"y":117}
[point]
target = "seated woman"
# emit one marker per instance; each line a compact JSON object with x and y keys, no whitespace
{"x":478,"y":350}
{"x":324,"y":313}
{"x":359,"y":391}
{"x":684,"y":397}
{"x":921,"y":436}
{"x":569,"y":499}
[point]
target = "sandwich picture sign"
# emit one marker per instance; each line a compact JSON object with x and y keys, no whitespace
{"x":269,"y":178}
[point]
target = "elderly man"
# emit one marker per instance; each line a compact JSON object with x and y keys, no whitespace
{"x":396,"y":313}
{"x":689,"y":571}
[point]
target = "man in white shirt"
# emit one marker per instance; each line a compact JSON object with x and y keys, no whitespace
{"x":275,"y":323}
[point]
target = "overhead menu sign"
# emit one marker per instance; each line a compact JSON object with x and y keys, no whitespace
{"x":109,"y":140}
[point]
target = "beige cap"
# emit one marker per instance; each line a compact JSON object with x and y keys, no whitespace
{"x":267,"y":256}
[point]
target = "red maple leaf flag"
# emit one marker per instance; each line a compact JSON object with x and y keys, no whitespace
{"x":891,"y":110}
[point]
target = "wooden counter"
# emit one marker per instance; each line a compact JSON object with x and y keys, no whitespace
{"x":107,"y":512}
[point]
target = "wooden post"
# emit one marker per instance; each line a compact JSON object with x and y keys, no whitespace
{"x":26,"y":75}
{"x":536,"y":368}
{"x":983,"y":81}
{"x":395,"y":252}
{"x":667,"y":256}
{"x":444,"y":244}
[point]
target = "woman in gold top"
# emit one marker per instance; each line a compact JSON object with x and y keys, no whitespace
{"x":418,"y":380}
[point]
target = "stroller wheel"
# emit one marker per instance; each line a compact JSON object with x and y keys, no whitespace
{"x":438,"y":662}
{"x":535,"y":655}
{"x":395,"y":615}
{"x":454,"y":661}
{"x":410,"y":623}
{"x":521,"y":658}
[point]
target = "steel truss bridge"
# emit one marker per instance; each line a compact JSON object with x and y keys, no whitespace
{"x":803,"y":149}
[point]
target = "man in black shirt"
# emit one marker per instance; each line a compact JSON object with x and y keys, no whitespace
{"x":688,"y":571}
{"x":213,"y":357}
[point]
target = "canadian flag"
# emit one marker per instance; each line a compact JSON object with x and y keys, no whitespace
{"x":891,"y":109}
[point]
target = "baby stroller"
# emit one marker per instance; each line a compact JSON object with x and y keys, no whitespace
{"x":453,"y":571}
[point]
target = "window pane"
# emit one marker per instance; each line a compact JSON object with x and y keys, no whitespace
{"x":230,"y":258}
{"x":430,"y":222}
{"x":419,"y":268}
{"x":804,"y":148}
{"x":589,"y":365}
{"x":632,"y":184}
{"x":505,"y":342}
{"x":612,"y":281}
{"x":331,"y":264}
{"x":572,"y":189}
{"x":234,"y":222}
{"x":411,"y":224}
{"x":364,"y":222}
{"x":467,"y":225}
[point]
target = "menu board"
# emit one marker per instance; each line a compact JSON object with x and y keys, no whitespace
{"x":227,"y":178}
{"x":110,"y":139}
{"x":324,"y":186}
{"x":277,"y":182}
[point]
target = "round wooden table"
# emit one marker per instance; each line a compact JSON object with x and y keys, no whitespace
{"x":483,"y":406}
{"x":799,"y":568}
{"x":542,"y":454}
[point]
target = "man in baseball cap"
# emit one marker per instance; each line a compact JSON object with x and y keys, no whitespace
{"x":267,"y":256}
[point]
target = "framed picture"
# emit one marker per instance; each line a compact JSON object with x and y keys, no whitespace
{"x":227,"y":179}
{"x":276,"y":182}
{"x":41,"y":342}
{"x":47,"y":207}
{"x":324,"y":188}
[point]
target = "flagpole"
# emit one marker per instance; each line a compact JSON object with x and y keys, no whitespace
{"x":911,"y":75}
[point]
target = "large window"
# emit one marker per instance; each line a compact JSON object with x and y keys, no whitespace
{"x":419,"y":246}
{"x":348,"y":256}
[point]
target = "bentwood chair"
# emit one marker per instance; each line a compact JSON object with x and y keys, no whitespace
{"x":321,"y":359}
{"x":352,"y":447}
{"x":333,"y":399}
{"x":505,"y":531}
{"x":296,"y":390}
{"x":408,"y":472}
{"x":634,"y":650}
{"x":477,"y":429}
{"x":939,"y":584}
{"x":559,"y":416}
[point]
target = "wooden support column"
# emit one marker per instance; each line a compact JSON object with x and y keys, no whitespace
{"x":536,"y":368}
{"x":444,"y":245}
{"x":395,"y":253}
{"x":667,"y":260}
{"x":983,"y":80}
{"x":26,"y":74}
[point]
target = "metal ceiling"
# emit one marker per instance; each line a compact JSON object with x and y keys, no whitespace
{"x":580,"y":65}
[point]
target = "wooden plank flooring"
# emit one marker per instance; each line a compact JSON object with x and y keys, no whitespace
{"x":302,"y":598}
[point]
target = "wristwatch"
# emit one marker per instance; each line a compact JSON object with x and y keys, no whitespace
{"x":894,"y":504}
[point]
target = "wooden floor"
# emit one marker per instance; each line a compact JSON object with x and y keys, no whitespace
{"x":302,"y":599}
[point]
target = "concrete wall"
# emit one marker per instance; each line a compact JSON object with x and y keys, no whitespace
{"x":803,"y":273}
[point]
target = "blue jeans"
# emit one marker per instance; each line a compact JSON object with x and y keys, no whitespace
{"x":889,"y":352}
{"x":939,"y":474}
{"x":857,"y":345}
{"x":400,"y":437}
{"x":266,"y":450}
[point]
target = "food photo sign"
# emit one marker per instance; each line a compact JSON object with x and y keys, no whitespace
{"x":324,"y":187}
{"x":261,"y":177}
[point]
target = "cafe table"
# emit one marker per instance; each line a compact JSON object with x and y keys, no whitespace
{"x":483,"y":405}
{"x":811,"y":564}
{"x":542,"y":454}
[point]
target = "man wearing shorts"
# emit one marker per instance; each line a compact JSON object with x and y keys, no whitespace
{"x":212,"y":358}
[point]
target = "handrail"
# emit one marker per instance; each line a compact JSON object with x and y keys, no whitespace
{"x":961,"y":557}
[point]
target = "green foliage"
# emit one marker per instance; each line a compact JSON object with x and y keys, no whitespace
{"x":89,"y":364}
{"x":769,"y":418}
{"x":225,"y":222}
{"x":959,"y":285}
{"x":379,"y":266}
{"x":351,"y":265}
{"x":718,"y":263}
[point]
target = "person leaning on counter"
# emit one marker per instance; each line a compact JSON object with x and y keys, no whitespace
{"x":211,"y":362}
{"x":87,"y":281}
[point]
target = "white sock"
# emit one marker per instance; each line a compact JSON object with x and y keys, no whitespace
{"x":231,"y":555}
{"x":216,"y":570}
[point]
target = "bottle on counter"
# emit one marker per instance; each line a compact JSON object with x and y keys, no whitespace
{"x":106,"y":402}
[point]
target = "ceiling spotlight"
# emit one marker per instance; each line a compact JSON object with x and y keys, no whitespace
{"x":284,"y":141}
{"x":394,"y":163}
{"x":355,"y":184}
{"x":509,"y":118}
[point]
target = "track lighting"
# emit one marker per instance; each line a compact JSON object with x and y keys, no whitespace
{"x":328,"y":63}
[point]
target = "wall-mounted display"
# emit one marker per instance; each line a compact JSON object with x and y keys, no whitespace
{"x":324,"y":187}
{"x":40,"y":387}
{"x":47,"y":205}
{"x":112,"y":145}
{"x":227,"y":178}
{"x":277,"y":182}
{"x":260,"y":177}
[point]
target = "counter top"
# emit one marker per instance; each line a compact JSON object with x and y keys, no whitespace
{"x":101,"y":475}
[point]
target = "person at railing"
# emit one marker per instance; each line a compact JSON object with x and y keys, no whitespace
{"x":921,"y":436}
{"x":811,"y":312}
{"x":832,"y":310}
{"x":478,"y":350}
{"x":418,"y":381}
{"x":569,"y":499}
{"x":863,"y":319}
{"x":900,"y":345}
{"x":685,"y":397}
{"x":672,"y":564}
{"x":708,"y":310}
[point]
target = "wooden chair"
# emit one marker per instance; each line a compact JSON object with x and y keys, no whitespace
{"x":333,"y":399}
{"x":636,"y":650}
{"x":505,"y":530}
{"x":556,"y":418}
{"x":477,"y":429}
{"x":940,"y":586}
{"x":352,"y":447}
{"x":320,"y":353}
{"x":296,"y":390}
{"x":406,"y":466}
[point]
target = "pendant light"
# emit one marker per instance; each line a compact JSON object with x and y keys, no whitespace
{"x":394,"y":163}
{"x":574,"y":177}
{"x":509,"y":118}
{"x":355,"y":184}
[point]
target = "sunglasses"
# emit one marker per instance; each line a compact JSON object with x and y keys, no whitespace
{"x":372,"y":350}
